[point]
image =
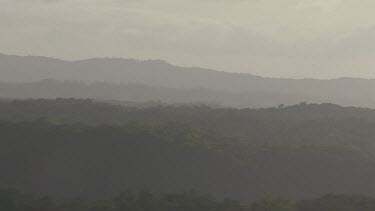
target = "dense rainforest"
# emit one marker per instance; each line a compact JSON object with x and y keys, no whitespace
{"x":83,"y":148}
{"x":13,"y":200}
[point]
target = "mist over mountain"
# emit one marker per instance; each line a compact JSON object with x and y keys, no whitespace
{"x":122,"y":93}
{"x":166,"y":82}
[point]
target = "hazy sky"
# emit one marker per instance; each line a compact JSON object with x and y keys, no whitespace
{"x":277,"y":38}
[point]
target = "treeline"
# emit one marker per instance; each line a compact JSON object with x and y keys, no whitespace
{"x":326,"y":126}
{"x":118,"y":93}
{"x":13,"y":200}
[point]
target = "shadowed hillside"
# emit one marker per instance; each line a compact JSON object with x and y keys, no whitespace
{"x":69,"y":147}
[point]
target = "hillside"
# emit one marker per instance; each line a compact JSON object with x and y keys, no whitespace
{"x":118,"y":93}
{"x":14,"y":200}
{"x":157,"y":73}
{"x":69,"y":147}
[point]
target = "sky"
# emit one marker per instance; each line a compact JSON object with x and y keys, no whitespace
{"x":272,"y":38}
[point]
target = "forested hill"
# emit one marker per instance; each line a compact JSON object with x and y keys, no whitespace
{"x":93,"y":112}
{"x":69,"y":147}
{"x":302,"y":123}
{"x":14,"y":200}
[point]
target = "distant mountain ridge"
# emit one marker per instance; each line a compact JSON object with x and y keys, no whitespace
{"x":118,"y":93}
{"x":158,"y":73}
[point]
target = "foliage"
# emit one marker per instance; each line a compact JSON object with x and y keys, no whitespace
{"x":82,"y":147}
{"x":13,"y":200}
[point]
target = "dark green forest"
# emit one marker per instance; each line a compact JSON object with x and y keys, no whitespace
{"x":71,"y":148}
{"x":13,"y":200}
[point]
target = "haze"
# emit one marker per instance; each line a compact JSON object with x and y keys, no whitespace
{"x":288,"y":39}
{"x":187,"y":105}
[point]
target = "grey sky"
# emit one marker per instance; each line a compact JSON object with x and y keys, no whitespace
{"x":277,"y":38}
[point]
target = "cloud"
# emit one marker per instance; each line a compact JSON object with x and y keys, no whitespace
{"x":325,"y":5}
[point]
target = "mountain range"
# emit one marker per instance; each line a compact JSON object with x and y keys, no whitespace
{"x":157,"y":80}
